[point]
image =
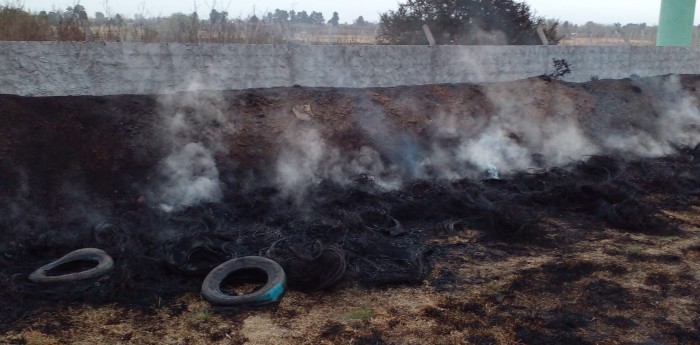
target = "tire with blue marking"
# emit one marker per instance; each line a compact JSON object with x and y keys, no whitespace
{"x":271,"y":292}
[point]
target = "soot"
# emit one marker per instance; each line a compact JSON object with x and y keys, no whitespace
{"x":351,"y":234}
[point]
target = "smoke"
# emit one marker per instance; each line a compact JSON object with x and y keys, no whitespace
{"x":20,"y":214}
{"x":188,"y":176}
{"x":479,"y":36}
{"x":679,"y":124}
{"x":676,"y":122}
{"x":299,"y":162}
{"x":306,"y":159}
{"x":516,"y":132}
{"x":493,"y":151}
{"x":195,"y":126}
{"x":453,"y":146}
{"x":29,"y":213}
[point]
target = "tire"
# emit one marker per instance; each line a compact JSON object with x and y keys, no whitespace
{"x":271,"y":292}
{"x":104,"y":265}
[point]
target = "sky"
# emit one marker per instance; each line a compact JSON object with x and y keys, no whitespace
{"x":575,"y":11}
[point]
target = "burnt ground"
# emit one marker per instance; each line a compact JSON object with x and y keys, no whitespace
{"x":380,"y":244}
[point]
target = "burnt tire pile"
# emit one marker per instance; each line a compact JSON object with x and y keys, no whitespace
{"x":271,"y":292}
{"x":352,"y":234}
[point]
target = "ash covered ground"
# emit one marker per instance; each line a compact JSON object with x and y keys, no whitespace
{"x":535,"y":211}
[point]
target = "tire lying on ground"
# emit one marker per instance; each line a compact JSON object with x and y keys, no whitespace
{"x":104,"y":265}
{"x":271,"y":292}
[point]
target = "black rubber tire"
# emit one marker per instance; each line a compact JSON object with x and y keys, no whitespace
{"x":271,"y":292}
{"x":104,"y":265}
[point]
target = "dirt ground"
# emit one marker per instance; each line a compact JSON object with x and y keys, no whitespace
{"x":579,"y":280}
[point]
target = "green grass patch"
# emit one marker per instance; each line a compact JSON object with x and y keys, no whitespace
{"x":359,"y":314}
{"x":205,"y":315}
{"x":634,"y":250}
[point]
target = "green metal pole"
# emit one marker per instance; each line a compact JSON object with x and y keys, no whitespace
{"x":676,"y":23}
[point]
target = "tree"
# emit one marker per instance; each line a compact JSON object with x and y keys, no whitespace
{"x":618,"y":28}
{"x":316,"y":18}
{"x":334,"y":20}
{"x":180,"y":27}
{"x":464,"y":22}
{"x":100,"y":17}
{"x":360,"y":21}
{"x":281,"y":15}
{"x":75,"y":13}
{"x":217,"y":17}
{"x":303,"y":17}
{"x":75,"y":9}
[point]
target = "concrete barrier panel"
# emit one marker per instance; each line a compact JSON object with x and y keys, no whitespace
{"x":81,"y":68}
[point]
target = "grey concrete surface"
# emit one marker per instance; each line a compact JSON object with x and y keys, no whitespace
{"x":81,"y":68}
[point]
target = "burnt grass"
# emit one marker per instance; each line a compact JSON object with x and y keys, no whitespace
{"x":73,"y":171}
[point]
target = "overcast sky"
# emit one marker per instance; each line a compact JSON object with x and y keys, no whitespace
{"x":576,"y":11}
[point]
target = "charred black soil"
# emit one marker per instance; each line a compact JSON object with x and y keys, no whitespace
{"x":536,"y":211}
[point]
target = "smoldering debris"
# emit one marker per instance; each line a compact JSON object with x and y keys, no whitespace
{"x":334,"y":213}
{"x":188,"y":176}
{"x":362,"y":233}
{"x":193,"y":128}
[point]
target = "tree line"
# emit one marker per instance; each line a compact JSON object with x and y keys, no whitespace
{"x":466,"y":22}
{"x":303,"y":17}
{"x":451,"y":22}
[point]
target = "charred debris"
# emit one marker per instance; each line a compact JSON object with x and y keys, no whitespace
{"x":352,"y":234}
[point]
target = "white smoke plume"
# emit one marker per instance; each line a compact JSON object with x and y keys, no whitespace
{"x":190,"y":176}
{"x":679,"y":124}
{"x":194,"y":128}
{"x":675,"y":123}
{"x":518,"y":131}
{"x":306,"y":159}
{"x":299,"y":162}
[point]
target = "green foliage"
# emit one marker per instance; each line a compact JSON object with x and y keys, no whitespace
{"x":206,"y":315}
{"x":359,"y":314}
{"x":669,"y":238}
{"x":316,"y":18}
{"x":334,"y":21}
{"x":635,"y":250}
{"x":282,"y":16}
{"x":73,"y":24}
{"x":360,"y":21}
{"x":218,"y":17}
{"x":19,"y":25}
{"x":181,"y":27}
{"x":464,"y":22}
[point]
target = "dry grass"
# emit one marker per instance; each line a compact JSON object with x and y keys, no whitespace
{"x":19,"y":25}
{"x":606,"y":41}
{"x":494,"y":301}
{"x":603,"y":285}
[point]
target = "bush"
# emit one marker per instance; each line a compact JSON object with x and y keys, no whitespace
{"x":465,"y":22}
{"x":18,"y":25}
{"x":561,"y":69}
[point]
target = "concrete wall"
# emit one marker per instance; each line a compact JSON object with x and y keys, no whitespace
{"x":58,"y":68}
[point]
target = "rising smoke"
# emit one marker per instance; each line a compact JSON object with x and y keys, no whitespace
{"x":306,"y":159}
{"x":194,"y":128}
{"x":523,"y":132}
